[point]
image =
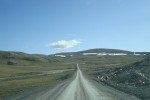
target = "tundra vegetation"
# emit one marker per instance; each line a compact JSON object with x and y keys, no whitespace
{"x":20,"y":71}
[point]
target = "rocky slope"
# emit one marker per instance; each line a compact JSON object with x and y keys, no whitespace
{"x":134,"y":79}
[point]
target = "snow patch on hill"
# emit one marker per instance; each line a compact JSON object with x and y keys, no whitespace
{"x":103,"y":54}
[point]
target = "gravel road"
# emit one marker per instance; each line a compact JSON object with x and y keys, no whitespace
{"x":80,"y":87}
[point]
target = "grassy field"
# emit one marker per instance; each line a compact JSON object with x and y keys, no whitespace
{"x":106,"y":62}
{"x":15,"y":78}
{"x":15,"y":70}
{"x":12,"y":87}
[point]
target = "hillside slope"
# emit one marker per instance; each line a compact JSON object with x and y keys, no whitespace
{"x":134,"y":79}
{"x":20,"y":58}
{"x":98,"y":50}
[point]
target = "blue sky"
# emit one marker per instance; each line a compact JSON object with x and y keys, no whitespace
{"x":51,"y":26}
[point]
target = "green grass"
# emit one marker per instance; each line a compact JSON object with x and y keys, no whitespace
{"x":13,"y":70}
{"x":12,"y":87}
{"x":108,"y":62}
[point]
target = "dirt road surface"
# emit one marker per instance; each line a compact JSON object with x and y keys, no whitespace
{"x":80,"y":87}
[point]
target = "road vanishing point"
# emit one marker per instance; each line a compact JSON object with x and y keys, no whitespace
{"x":79,"y":87}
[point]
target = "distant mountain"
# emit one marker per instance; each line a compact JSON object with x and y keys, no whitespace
{"x":65,"y":53}
{"x":99,"y":50}
{"x":102,"y":51}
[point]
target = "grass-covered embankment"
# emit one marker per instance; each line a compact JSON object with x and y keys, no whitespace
{"x":133,"y":79}
{"x":12,"y":87}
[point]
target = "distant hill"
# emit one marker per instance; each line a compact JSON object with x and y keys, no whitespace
{"x":100,"y":50}
{"x":20,"y":58}
{"x":13,"y":58}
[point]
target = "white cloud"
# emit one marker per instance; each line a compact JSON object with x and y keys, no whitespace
{"x":63,"y":44}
